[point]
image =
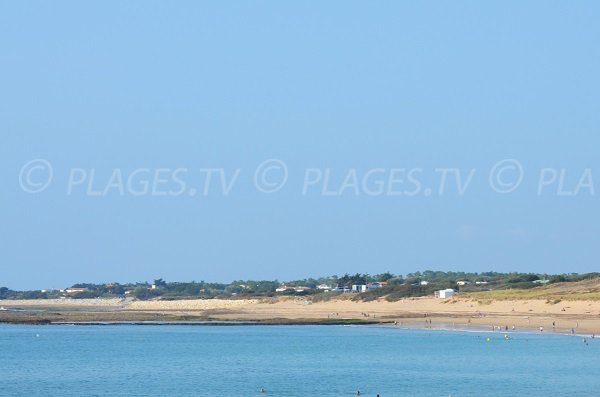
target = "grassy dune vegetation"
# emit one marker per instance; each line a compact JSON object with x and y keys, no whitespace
{"x":554,"y":293}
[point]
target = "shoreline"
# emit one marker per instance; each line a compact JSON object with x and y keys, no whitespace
{"x":419,"y":313}
{"x":475,"y":330}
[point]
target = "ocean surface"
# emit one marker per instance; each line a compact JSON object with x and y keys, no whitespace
{"x":228,"y":361}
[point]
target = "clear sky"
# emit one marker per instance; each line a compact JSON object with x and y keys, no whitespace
{"x":336,"y":85}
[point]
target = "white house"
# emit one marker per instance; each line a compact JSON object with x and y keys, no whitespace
{"x":462,"y":282}
{"x":74,"y":290}
{"x":341,"y":289}
{"x":283,"y":288}
{"x":324,"y":287}
{"x":359,"y":288}
{"x":444,"y":293}
{"x":424,"y":282}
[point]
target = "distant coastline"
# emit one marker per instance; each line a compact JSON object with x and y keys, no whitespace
{"x":469,"y":300}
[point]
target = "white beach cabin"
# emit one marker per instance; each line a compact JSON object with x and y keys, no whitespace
{"x":444,"y":293}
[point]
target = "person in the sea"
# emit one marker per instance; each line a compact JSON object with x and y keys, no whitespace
{"x":358,"y":392}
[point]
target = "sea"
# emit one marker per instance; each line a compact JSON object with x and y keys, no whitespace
{"x":280,"y":360}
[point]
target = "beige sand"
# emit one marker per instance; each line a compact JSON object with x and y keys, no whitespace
{"x":584,"y":316}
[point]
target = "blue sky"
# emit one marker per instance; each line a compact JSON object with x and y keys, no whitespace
{"x":335,"y":85}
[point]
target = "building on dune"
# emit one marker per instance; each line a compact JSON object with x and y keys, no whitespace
{"x":444,"y":293}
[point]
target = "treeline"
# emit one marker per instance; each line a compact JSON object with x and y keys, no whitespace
{"x":394,"y":286}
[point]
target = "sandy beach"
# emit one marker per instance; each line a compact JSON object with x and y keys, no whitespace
{"x":582,"y":316}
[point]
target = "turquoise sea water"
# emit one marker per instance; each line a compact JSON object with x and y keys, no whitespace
{"x":130,"y":360}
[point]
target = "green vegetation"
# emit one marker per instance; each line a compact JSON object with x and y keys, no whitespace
{"x":479,"y":286}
